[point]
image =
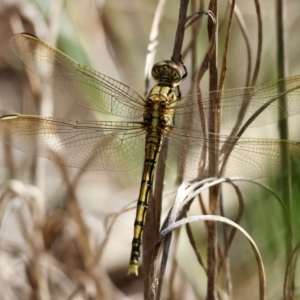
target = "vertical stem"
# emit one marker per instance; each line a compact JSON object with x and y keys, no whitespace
{"x":176,"y":56}
{"x":284,"y":182}
{"x":213,"y":159}
{"x":153,"y":219}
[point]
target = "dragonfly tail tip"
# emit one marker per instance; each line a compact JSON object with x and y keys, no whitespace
{"x":133,"y":269}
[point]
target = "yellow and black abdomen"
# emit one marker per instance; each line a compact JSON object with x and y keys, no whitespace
{"x":156,"y":120}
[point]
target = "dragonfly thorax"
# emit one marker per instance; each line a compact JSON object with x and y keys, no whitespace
{"x":159,"y":109}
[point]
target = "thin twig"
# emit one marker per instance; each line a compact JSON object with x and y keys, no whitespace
{"x":176,"y":56}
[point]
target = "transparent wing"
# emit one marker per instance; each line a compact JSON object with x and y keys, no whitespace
{"x":251,"y":158}
{"x":112,"y":146}
{"x":262,"y":98}
{"x":76,"y":82}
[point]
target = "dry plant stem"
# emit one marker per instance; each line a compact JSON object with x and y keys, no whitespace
{"x":222,"y":256}
{"x":174,"y":268}
{"x":152,"y":224}
{"x":151,"y":229}
{"x":192,"y":44}
{"x":225,"y":51}
{"x":163,"y":264}
{"x":176,"y":56}
{"x":259,"y":44}
{"x":202,"y":206}
{"x":213,"y":159}
{"x":149,"y":279}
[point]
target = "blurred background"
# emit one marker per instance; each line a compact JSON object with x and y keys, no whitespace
{"x":49,"y":213}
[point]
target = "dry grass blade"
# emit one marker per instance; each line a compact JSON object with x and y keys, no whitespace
{"x":187,"y":193}
{"x":262,"y":281}
{"x":173,"y":293}
{"x":259,"y":44}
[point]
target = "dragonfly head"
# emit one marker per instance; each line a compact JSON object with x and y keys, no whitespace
{"x":168,"y":72}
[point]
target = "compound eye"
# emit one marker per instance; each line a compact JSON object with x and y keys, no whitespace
{"x":159,"y":69}
{"x":156,"y":71}
{"x":168,"y":72}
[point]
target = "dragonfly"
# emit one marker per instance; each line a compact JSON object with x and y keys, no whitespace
{"x":147,"y":123}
